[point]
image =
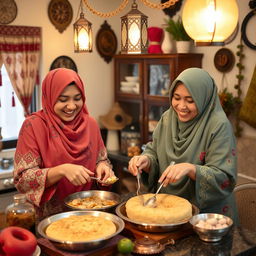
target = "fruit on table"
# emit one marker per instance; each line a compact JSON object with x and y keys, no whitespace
{"x":125,"y":245}
{"x":17,"y":241}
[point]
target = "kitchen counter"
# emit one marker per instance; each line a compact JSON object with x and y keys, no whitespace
{"x":239,"y":242}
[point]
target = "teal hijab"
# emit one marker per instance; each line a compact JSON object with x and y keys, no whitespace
{"x":207,"y":141}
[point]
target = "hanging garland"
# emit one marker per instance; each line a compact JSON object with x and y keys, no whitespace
{"x":239,"y":77}
{"x":124,"y":4}
{"x":107,"y":14}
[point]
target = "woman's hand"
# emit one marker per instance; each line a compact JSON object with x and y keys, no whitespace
{"x":76,"y":174}
{"x":104,"y":171}
{"x":138,"y":163}
{"x":174,"y":172}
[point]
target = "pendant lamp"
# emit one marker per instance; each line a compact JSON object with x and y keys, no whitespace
{"x":134,"y":38}
{"x":210,"y":22}
{"x":82,"y":33}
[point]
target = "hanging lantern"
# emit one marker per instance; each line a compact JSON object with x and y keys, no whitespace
{"x":134,"y":38}
{"x":82,"y":33}
{"x":210,"y":22}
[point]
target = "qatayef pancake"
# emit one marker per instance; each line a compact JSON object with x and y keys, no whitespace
{"x":80,"y":228}
{"x":170,"y":209}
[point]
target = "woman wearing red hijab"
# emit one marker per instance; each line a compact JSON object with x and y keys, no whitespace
{"x":60,"y":146}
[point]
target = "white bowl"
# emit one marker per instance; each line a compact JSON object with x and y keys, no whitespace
{"x":132,"y":78}
{"x":126,"y":89}
{"x":128,"y":84}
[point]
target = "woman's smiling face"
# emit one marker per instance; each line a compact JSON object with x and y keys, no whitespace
{"x":69,"y":103}
{"x":183,"y":103}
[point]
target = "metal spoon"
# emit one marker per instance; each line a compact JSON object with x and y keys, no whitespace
{"x":151,"y":202}
{"x":138,"y":183}
{"x":108,"y":181}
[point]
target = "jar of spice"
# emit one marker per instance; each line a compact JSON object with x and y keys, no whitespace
{"x":21,"y":213}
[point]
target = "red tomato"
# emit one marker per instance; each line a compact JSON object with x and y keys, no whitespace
{"x":17,"y":241}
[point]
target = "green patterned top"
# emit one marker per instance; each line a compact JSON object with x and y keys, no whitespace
{"x":207,"y":141}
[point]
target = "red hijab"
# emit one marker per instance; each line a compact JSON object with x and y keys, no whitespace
{"x":56,"y":142}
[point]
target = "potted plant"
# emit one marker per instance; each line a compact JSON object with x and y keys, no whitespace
{"x":228,"y":101}
{"x":179,"y":34}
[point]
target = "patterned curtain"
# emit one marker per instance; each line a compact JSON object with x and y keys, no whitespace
{"x":20,"y":49}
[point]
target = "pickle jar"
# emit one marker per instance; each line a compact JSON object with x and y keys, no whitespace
{"x":21,"y":213}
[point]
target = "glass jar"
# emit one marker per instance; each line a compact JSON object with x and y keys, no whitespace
{"x":130,"y":141}
{"x":21,"y":213}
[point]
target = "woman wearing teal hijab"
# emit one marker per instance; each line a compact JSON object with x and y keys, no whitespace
{"x":196,"y":134}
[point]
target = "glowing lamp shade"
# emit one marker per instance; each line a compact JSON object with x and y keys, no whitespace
{"x":82,"y":35}
{"x":134,"y":36}
{"x":210,"y":22}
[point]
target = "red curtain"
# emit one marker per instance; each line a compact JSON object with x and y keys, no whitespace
{"x":20,"y":50}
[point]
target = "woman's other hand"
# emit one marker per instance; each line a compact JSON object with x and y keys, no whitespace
{"x":175,"y":172}
{"x":104,"y":171}
{"x":138,"y":163}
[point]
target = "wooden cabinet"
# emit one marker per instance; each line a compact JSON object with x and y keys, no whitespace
{"x":142,"y":82}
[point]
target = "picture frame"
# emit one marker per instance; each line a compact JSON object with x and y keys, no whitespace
{"x":106,"y":42}
{"x":63,"y":62}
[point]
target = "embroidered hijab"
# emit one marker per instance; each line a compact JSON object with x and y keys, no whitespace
{"x":206,"y":141}
{"x":46,"y":141}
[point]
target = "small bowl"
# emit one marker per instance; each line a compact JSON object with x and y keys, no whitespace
{"x":128,"y":84}
{"x":207,"y":234}
{"x":80,"y":246}
{"x":132,"y":78}
{"x":97,"y":193}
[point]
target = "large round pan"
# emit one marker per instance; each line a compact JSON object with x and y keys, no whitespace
{"x":97,"y":193}
{"x":154,"y":228}
{"x":83,"y":245}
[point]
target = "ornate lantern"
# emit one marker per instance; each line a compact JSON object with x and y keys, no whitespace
{"x":82,"y":33}
{"x":134,"y":37}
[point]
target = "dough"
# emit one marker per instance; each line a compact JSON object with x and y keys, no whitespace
{"x":80,"y":228}
{"x":170,"y":209}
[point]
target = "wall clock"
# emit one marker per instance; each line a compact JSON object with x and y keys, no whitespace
{"x":224,"y":60}
{"x":106,"y":42}
{"x":63,"y":62}
{"x":8,"y":11}
{"x":248,"y":23}
{"x":60,"y":13}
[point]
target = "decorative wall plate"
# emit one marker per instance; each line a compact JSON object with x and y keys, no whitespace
{"x":63,"y":62}
{"x":106,"y":42}
{"x":60,"y":13}
{"x":8,"y":11}
{"x":224,"y":60}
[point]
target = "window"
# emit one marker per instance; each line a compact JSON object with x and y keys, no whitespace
{"x":11,"y":118}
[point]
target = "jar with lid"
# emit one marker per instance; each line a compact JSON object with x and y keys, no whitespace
{"x":21,"y":213}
